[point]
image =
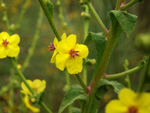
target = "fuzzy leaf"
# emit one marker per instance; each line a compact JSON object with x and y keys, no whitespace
{"x":76,"y":110}
{"x":99,"y":42}
{"x":74,"y":93}
{"x":126,"y":21}
{"x":116,"y":85}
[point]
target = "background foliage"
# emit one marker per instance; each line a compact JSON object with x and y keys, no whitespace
{"x":40,"y":66}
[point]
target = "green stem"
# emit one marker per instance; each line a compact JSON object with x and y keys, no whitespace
{"x":34,"y":42}
{"x":103,"y":64}
{"x":86,"y":21}
{"x":50,"y":19}
{"x":128,"y":5}
{"x":5,"y":17}
{"x":86,"y":28}
{"x":84,"y":72}
{"x":114,"y":76}
{"x":118,"y":4}
{"x":102,"y":26}
{"x":13,"y":61}
{"x":24,"y":8}
{"x":67,"y":79}
{"x":144,"y":75}
{"x":82,"y":83}
{"x":45,"y":107}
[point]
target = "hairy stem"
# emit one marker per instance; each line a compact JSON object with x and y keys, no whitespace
{"x":14,"y":63}
{"x":114,"y":76}
{"x":131,"y":3}
{"x":98,"y":19}
{"x":50,"y":19}
{"x":45,"y":107}
{"x":82,"y":83}
{"x":143,"y":80}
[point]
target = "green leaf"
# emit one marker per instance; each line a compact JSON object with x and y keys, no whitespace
{"x":76,"y":110}
{"x":99,"y":42}
{"x":74,"y":93}
{"x":116,"y":85}
{"x":50,"y":7}
{"x":126,"y":21}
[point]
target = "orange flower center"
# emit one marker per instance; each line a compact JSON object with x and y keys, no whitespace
{"x":132,"y":109}
{"x":73,"y":53}
{"x":51,"y":47}
{"x":5,"y":43}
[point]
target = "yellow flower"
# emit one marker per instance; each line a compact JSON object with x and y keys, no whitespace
{"x":53,"y":46}
{"x":70,"y":55}
{"x":29,"y":104}
{"x":9,"y":45}
{"x":130,"y":102}
{"x":37,"y":85}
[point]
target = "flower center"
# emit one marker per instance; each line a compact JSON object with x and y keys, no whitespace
{"x":52,"y":47}
{"x":132,"y":109}
{"x":5,"y":43}
{"x":74,"y":53}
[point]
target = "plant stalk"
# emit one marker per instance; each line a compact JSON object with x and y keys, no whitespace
{"x":98,"y":19}
{"x":82,"y":83}
{"x":131,"y":3}
{"x":50,"y":19}
{"x":115,"y":76}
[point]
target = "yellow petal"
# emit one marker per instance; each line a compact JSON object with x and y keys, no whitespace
{"x":14,"y":39}
{"x":24,"y":88}
{"x":62,"y":47}
{"x":3,"y":53}
{"x":55,"y":42}
{"x":53,"y":59}
{"x":61,"y":60}
{"x":74,"y":66}
{"x":42,"y":87}
{"x":127,"y":97}
{"x":13,"y":50}
{"x":4,"y":35}
{"x":145,"y":109}
{"x":83,"y":50}
{"x":63,"y":37}
{"x":71,"y":41}
{"x":38,"y":85}
{"x":143,"y":98}
{"x":116,"y":106}
{"x":28,"y":105}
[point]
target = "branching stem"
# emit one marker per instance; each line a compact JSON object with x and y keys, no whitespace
{"x":101,"y":24}
{"x":114,"y":76}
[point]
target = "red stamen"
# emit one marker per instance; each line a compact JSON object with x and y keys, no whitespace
{"x":132,"y":109}
{"x":5,"y":43}
{"x":73,"y":53}
{"x":52,"y":47}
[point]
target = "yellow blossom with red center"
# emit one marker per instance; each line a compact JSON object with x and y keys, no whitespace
{"x":53,"y":46}
{"x":70,"y":55}
{"x":130,"y":102}
{"x":9,"y":45}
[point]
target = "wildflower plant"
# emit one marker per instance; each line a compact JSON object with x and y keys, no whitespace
{"x":72,"y":58}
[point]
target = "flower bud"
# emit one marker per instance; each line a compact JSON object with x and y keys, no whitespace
{"x":143,"y":42}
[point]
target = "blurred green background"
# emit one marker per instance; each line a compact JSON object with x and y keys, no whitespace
{"x":40,"y":66}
